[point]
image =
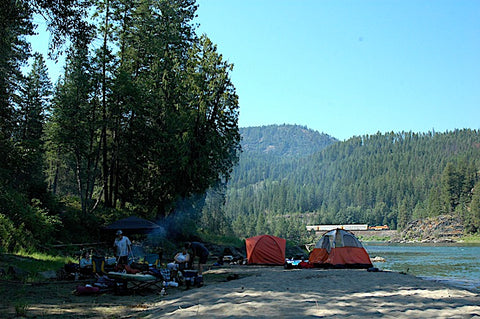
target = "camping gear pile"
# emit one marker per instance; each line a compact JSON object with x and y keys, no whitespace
{"x":297,"y":264}
{"x":130,"y":280}
{"x":127,"y":279}
{"x":115,"y":278}
{"x":143,"y":271}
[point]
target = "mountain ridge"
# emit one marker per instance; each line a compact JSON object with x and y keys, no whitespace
{"x":272,"y":140}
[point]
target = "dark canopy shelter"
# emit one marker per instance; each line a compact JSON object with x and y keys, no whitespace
{"x":133,"y":225}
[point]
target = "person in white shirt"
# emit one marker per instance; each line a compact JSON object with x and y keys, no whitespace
{"x":123,"y":247}
{"x":181,"y":261}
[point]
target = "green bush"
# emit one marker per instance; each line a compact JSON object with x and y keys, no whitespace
{"x":24,"y":224}
{"x":7,"y":234}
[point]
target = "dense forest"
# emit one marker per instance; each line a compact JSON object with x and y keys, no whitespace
{"x":289,"y":176}
{"x":143,"y":119}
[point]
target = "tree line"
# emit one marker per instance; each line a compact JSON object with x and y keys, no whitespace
{"x":144,"y":115}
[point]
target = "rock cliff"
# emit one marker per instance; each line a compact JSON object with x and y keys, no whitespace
{"x":443,"y":228}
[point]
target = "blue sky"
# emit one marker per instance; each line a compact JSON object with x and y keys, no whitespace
{"x":353,"y":67}
{"x":348,"y":68}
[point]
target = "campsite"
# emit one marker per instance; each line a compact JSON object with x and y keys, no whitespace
{"x":263,"y":286}
{"x":260,"y":291}
{"x":199,"y":158}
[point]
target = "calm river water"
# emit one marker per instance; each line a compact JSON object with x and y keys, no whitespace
{"x":454,"y":264}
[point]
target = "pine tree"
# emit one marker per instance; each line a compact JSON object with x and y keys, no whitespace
{"x":472,"y":220}
{"x":75,"y":128}
{"x":15,"y":25}
{"x":34,"y":104}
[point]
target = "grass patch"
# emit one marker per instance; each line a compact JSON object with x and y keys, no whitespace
{"x":471,"y":239}
{"x":32,"y":263}
{"x":42,"y":262}
{"x":374,"y":238}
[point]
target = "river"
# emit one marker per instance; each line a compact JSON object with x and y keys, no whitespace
{"x":453,"y":264}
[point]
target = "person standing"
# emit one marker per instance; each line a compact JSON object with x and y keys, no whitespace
{"x":200,"y":251}
{"x":122,"y":247}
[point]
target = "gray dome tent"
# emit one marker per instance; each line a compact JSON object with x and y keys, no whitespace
{"x":339,"y":248}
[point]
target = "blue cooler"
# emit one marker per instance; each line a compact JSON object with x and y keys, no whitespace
{"x":190,"y":277}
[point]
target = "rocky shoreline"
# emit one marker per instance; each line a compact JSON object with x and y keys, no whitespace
{"x":439,"y":229}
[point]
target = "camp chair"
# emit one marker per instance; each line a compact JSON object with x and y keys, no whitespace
{"x":152,"y":259}
{"x":98,"y":265}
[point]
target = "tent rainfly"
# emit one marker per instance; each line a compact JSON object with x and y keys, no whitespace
{"x":266,"y":250}
{"x":134,"y":225}
{"x":339,"y":248}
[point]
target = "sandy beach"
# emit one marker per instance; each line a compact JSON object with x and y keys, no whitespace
{"x":273,"y":292}
{"x":259,"y":292}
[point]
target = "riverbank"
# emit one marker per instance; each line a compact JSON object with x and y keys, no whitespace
{"x":258,"y":292}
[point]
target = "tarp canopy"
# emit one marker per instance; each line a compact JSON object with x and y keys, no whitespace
{"x":341,"y":249}
{"x":133,"y":225}
{"x":266,"y":250}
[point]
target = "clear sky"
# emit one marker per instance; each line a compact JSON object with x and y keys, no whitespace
{"x":353,"y":67}
{"x":348,"y":67}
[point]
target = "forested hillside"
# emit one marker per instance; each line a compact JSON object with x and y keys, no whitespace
{"x":280,"y":141}
{"x":377,"y":179}
{"x":271,"y":150}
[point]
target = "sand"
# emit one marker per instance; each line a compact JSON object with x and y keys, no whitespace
{"x":260,"y":292}
{"x":273,"y":292}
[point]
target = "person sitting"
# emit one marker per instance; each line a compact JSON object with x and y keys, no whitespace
{"x":86,"y":264}
{"x":180,"y":262}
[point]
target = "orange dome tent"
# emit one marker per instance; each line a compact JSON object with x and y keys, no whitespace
{"x":266,"y":250}
{"x":340,"y":249}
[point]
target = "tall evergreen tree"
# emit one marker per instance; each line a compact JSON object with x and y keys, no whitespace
{"x":452,"y":182}
{"x":75,"y":123}
{"x":472,"y":220}
{"x":15,"y":25}
{"x":34,"y":104}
